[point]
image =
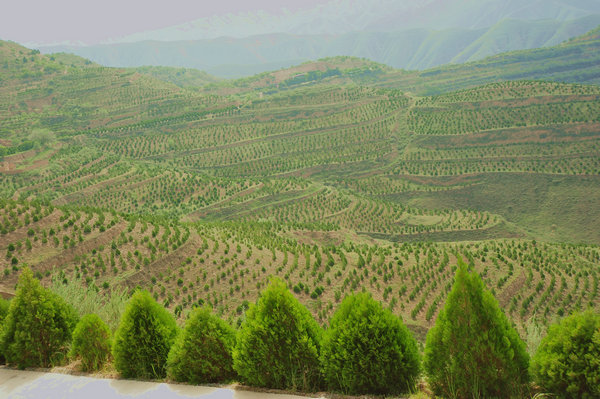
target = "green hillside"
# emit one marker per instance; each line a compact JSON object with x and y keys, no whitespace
{"x":335,"y":175}
{"x":303,"y":146}
{"x":182,"y":77}
{"x":575,"y":61}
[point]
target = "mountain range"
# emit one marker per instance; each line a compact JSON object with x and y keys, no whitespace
{"x":417,"y":48}
{"x":337,"y":17}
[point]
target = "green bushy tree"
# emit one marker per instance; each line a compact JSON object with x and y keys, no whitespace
{"x":91,"y":342}
{"x":567,"y":362}
{"x":4,"y":305}
{"x":278,"y":344}
{"x":473,"y":351}
{"x":203,"y":352}
{"x":144,"y":338}
{"x":368,"y":350}
{"x":37,"y":329}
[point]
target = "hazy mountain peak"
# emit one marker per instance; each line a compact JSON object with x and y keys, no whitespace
{"x":344,"y":16}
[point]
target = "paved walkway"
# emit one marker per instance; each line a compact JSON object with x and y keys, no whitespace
{"x":16,"y":384}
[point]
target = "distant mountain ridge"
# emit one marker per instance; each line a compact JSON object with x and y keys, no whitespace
{"x":408,"y":49}
{"x":337,"y":17}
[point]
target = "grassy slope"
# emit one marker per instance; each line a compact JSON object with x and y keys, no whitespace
{"x":309,"y":154}
{"x":548,"y":207}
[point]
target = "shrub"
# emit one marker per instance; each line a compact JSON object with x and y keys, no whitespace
{"x":38,"y":326}
{"x":567,"y":362}
{"x":473,"y":351}
{"x":144,"y":338}
{"x":91,"y":342}
{"x":279,"y":342}
{"x":202,"y":353}
{"x":368,"y":350}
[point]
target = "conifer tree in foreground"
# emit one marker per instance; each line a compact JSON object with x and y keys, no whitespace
{"x":473,"y":351}
{"x":91,"y":342}
{"x":278,"y":345}
{"x":368,"y":350}
{"x":202,"y":352}
{"x":37,"y":329}
{"x":567,"y":362}
{"x":144,"y":338}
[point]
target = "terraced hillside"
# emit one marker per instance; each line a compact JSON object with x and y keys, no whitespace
{"x":319,"y":174}
{"x":336,"y":157}
{"x":226,"y":265}
{"x":574,"y":61}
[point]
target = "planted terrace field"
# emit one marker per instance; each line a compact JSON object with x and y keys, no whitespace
{"x":343,"y":157}
{"x":112,"y":178}
{"x":225,"y":265}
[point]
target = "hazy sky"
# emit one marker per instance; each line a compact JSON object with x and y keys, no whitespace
{"x":93,"y":21}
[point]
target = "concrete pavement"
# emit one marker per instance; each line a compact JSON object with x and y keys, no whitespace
{"x":17,"y":384}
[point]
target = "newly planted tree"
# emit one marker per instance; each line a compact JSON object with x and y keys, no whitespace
{"x":473,"y":351}
{"x":368,"y":350}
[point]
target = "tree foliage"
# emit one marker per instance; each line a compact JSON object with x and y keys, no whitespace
{"x":4,"y":305}
{"x":203,"y":352}
{"x":144,"y":338}
{"x":279,"y":343}
{"x":37,"y":329}
{"x":368,"y":350}
{"x":567,"y":362}
{"x":473,"y":351}
{"x":91,"y":342}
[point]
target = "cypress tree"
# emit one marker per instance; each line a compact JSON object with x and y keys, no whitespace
{"x":369,"y":350}
{"x":144,"y":338}
{"x":91,"y":342}
{"x":37,"y":329}
{"x":278,"y":345}
{"x":567,"y":362}
{"x":473,"y":351}
{"x":202,"y":352}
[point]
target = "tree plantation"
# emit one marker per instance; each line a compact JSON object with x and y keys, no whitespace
{"x":366,"y":349}
{"x":338,"y":226}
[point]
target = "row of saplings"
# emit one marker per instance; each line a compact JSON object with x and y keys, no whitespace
{"x":472,"y":351}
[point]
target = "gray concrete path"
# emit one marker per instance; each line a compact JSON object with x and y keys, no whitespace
{"x":16,"y":384}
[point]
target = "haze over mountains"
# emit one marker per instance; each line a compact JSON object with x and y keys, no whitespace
{"x":401,"y":34}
